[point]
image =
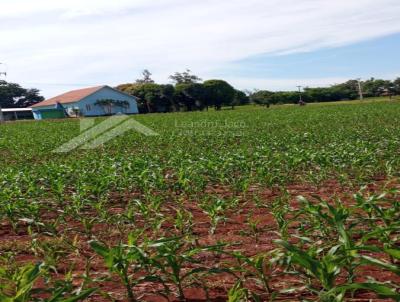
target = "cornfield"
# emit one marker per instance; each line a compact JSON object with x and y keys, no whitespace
{"x":252,"y":204}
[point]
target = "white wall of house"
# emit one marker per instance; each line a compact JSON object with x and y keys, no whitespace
{"x":87,"y":106}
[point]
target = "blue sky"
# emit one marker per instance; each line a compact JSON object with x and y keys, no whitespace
{"x":377,"y":58}
{"x":266,"y":44}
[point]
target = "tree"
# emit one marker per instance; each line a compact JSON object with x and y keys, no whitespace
{"x":154,"y":98}
{"x":184,"y":77}
{"x":325,"y":94}
{"x":262,"y":97}
{"x":12,"y":95}
{"x":167,"y":93}
{"x":148,"y":94}
{"x":396,"y":86}
{"x":240,"y":98}
{"x":191,"y":95}
{"x":146,"y":78}
{"x":375,"y":87}
{"x":219,"y":93}
{"x":188,"y":93}
{"x":151,"y":97}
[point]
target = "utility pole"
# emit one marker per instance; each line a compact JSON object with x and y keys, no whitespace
{"x":300,"y":96}
{"x":360,"y":89}
{"x":1,"y":112}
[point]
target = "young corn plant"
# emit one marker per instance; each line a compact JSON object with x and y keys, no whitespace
{"x":52,"y":250}
{"x":313,"y":265}
{"x":238,"y":293}
{"x":384,"y":290}
{"x":280,"y":209}
{"x":335,"y":222}
{"x":172,"y":256}
{"x":254,"y":227}
{"x":383,"y":218}
{"x":215,"y":209}
{"x":183,"y":221}
{"x":65,"y":291}
{"x":260,"y":269}
{"x":17,"y":284}
{"x":124,"y":260}
{"x":316,"y":221}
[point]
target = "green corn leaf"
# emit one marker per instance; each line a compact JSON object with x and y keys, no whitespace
{"x":83,"y":295}
{"x":395,"y":253}
{"x":386,"y":265}
{"x":56,"y":295}
{"x":379,"y":289}
{"x":4,"y":298}
{"x":300,"y":257}
{"x":99,"y":248}
{"x":29,"y":274}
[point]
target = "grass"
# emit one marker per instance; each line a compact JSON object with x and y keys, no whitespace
{"x":158,"y":206}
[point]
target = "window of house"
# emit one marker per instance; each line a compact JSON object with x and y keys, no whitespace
{"x":88,"y":107}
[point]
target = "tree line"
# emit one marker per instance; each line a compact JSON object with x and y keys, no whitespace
{"x":189,"y":93}
{"x":339,"y":92}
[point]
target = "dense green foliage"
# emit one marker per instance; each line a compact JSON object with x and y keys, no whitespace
{"x":12,"y":95}
{"x":338,"y":92}
{"x":58,"y":206}
{"x":189,"y":94}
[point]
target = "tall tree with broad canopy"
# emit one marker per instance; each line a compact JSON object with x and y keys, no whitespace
{"x":151,"y":97}
{"x":262,"y":97}
{"x":241,"y":98}
{"x":375,"y":87}
{"x":191,"y":96}
{"x":219,"y":93}
{"x":12,"y":95}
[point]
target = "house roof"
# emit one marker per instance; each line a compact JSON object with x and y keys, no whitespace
{"x":69,"y":97}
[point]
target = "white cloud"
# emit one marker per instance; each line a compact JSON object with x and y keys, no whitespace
{"x":94,"y":42}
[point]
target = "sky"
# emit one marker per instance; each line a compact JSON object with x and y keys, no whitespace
{"x":254,"y":44}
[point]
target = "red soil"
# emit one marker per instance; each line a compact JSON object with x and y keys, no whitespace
{"x":234,"y":231}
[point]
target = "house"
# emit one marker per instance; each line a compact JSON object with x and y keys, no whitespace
{"x":50,"y":112}
{"x":88,"y":102}
{"x":13,"y":114}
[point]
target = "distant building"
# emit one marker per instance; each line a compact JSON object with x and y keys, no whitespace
{"x":88,"y":102}
{"x":13,"y":114}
